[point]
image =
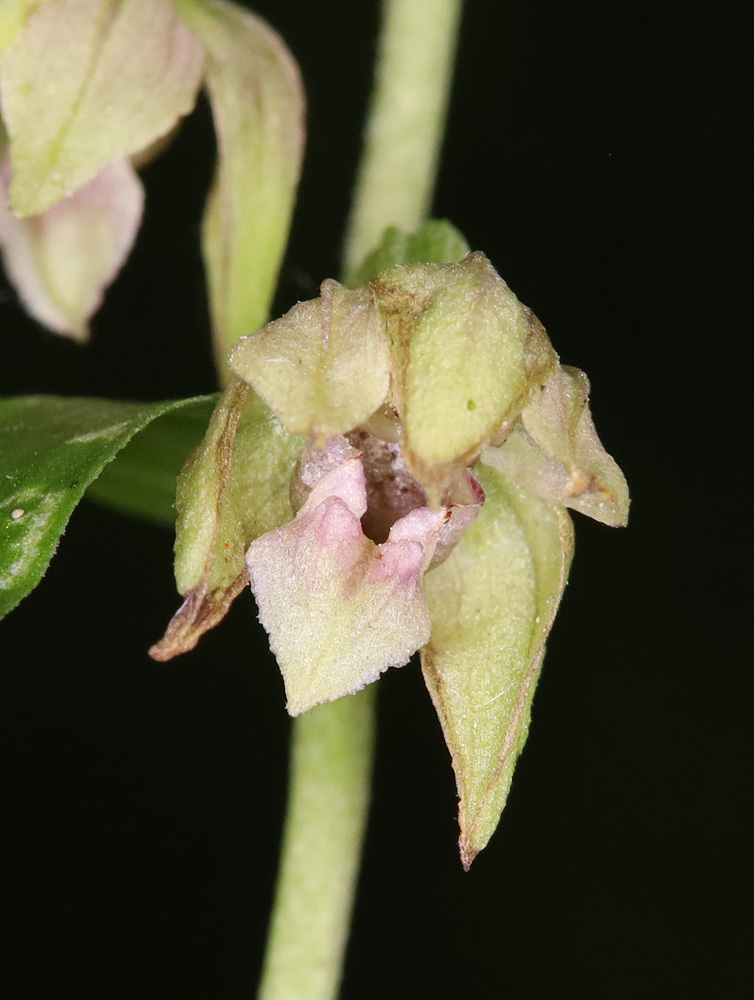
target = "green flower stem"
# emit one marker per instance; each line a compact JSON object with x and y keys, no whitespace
{"x":331,"y":769}
{"x":406,"y":122}
{"x":333,"y":744}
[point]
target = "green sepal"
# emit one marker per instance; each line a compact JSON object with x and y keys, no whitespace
{"x":466,"y":356}
{"x":257,"y":102}
{"x":438,"y":241}
{"x":127,"y":71}
{"x":51,"y":450}
{"x":13,"y":15}
{"x":234,"y":487}
{"x":492,"y":603}
{"x":324,"y":367}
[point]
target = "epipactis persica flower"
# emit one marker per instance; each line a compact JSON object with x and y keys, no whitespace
{"x":390,"y":469}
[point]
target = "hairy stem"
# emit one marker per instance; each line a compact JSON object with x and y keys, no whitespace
{"x":331,"y":765}
{"x":406,"y":122}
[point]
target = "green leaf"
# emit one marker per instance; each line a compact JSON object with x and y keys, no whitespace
{"x":258,"y":107}
{"x":438,"y":241}
{"x":141,"y":479}
{"x":87,"y":82}
{"x":492,"y":604}
{"x":51,"y":449}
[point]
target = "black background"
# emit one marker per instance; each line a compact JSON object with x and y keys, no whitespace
{"x":596,"y":154}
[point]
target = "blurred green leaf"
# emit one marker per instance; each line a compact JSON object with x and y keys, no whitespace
{"x":51,"y":450}
{"x":13,"y":14}
{"x":141,"y":480}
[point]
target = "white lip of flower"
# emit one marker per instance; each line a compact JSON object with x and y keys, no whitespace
{"x":339,"y":607}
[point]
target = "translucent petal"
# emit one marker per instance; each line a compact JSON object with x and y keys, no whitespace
{"x":554,"y":450}
{"x":61,"y":261}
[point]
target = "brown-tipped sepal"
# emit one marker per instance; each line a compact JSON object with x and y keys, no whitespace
{"x":553,"y":449}
{"x":233,"y":488}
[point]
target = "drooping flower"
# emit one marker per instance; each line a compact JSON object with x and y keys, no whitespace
{"x":79,"y":114}
{"x":427,"y":443}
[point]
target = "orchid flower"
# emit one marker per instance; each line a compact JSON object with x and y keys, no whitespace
{"x":77,"y":119}
{"x":390,"y":470}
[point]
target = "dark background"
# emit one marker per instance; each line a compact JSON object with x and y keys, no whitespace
{"x":596,"y":154}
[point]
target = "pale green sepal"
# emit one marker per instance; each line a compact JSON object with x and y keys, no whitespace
{"x":258,"y":106}
{"x":438,"y":241}
{"x":492,"y":603}
{"x":554,"y":450}
{"x":324,"y":367}
{"x":466,"y":357}
{"x":13,"y":15}
{"x":61,"y":262}
{"x":128,"y":69}
{"x":232,"y":489}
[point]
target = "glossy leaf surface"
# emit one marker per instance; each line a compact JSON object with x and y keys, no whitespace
{"x":51,"y":450}
{"x":141,"y":479}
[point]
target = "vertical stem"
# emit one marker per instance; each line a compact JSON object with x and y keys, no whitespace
{"x":331,"y":766}
{"x":406,"y":122}
{"x":333,"y":744}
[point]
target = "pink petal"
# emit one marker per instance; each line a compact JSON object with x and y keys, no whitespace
{"x":338,"y":608}
{"x":61,"y":262}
